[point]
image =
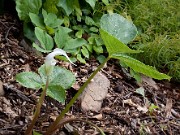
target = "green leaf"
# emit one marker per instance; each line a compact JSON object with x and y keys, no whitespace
{"x":136,"y":76}
{"x":79,"y":57}
{"x":91,"y":3}
{"x":114,"y":45}
{"x":62,"y":36}
{"x":52,"y":21}
{"x":89,"y":21}
{"x":85,"y":52}
{"x":140,"y":91}
{"x":94,"y":29}
{"x":101,"y":58}
{"x":74,"y":43}
{"x":79,"y":34}
{"x":60,"y":76}
{"x":39,"y":48}
{"x":56,"y":92}
{"x":140,"y":67}
{"x":119,"y":27}
{"x":67,"y":5}
{"x":106,"y":2}
{"x":24,"y":7}
{"x":45,"y":39}
{"x":98,"y":49}
{"x":36,"y":20}
{"x":29,"y":80}
{"x":50,"y":6}
{"x":36,"y":133}
{"x":28,"y":30}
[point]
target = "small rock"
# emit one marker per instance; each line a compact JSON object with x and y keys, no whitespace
{"x":94,"y":93}
{"x":1,"y":89}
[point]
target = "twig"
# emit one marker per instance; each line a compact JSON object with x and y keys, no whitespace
{"x":7,"y":33}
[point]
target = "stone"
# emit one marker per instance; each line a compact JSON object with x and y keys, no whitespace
{"x":93,"y":95}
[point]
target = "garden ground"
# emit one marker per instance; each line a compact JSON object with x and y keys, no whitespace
{"x":122,"y":112}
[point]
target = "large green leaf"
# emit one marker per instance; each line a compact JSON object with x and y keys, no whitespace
{"x":140,"y":67}
{"x":60,"y":76}
{"x":62,"y":36}
{"x":56,"y":92}
{"x":74,"y":43}
{"x":92,"y":3}
{"x":29,"y":80}
{"x":36,"y":20}
{"x":50,"y":6}
{"x":67,"y":5}
{"x":24,"y":7}
{"x":114,"y":45}
{"x":44,"y":38}
{"x":119,"y":27}
{"x":51,"y":20}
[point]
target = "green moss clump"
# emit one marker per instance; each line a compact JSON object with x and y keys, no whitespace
{"x":164,"y":54}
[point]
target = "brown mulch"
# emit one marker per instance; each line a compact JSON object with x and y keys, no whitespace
{"x":119,"y":113}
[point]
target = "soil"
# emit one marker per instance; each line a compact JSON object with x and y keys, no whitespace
{"x":120,"y":113}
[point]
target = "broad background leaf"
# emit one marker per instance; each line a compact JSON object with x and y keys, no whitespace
{"x":92,"y":3}
{"x":36,"y":20}
{"x":45,"y":39}
{"x":24,"y":7}
{"x":119,"y":27}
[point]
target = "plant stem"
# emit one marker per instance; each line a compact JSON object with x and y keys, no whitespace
{"x":38,"y":109}
{"x":54,"y":125}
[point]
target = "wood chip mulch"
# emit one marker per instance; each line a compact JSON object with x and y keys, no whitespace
{"x":122,"y":111}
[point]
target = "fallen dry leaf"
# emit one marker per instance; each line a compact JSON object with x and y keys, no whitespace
{"x":139,"y":108}
{"x":168,"y":107}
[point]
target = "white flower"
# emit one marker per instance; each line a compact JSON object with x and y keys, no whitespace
{"x":50,"y":61}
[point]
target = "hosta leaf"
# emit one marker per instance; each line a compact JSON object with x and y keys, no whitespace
{"x":85,"y":52}
{"x":29,"y":80}
{"x":60,"y":76}
{"x":114,"y":45}
{"x":74,"y":43}
{"x":56,"y":92}
{"x":119,"y":27}
{"x":36,"y":20}
{"x":40,"y":49}
{"x":50,"y":6}
{"x":106,"y":2}
{"x":45,"y":39}
{"x":62,"y":36}
{"x":24,"y":7}
{"x":98,"y":49}
{"x":89,"y":21}
{"x":79,"y":57}
{"x":140,"y":67}
{"x":28,"y":30}
{"x":91,"y":3}
{"x":67,"y":5}
{"x":51,"y":20}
